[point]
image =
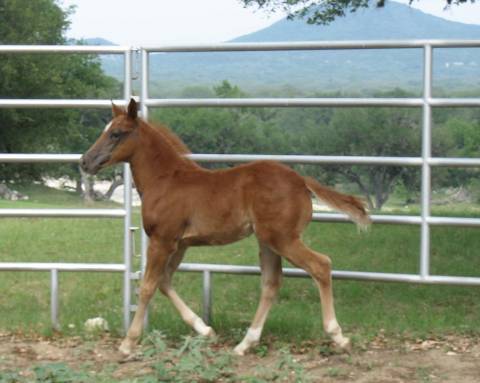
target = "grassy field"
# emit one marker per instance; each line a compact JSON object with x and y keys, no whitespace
{"x":362,"y":308}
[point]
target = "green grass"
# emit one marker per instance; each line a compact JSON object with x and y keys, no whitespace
{"x":362,"y":308}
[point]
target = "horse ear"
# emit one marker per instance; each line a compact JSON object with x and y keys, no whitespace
{"x":132,"y":110}
{"x":117,"y":110}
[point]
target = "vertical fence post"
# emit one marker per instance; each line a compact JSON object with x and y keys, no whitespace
{"x":127,"y":200}
{"x":54,"y":299}
{"x":207,"y":296}
{"x":426,"y":154}
{"x":144,"y":109}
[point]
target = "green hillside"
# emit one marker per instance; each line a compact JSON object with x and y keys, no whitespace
{"x":349,"y":71}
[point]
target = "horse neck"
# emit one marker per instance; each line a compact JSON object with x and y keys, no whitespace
{"x":155,"y":158}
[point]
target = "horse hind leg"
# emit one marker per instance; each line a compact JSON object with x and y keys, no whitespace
{"x":192,"y":319}
{"x":319,"y":267}
{"x":271,"y":266}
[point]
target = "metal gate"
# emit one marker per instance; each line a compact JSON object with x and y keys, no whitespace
{"x":124,"y":213}
{"x":425,"y":161}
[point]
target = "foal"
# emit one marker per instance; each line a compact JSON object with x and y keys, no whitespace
{"x":186,"y":205}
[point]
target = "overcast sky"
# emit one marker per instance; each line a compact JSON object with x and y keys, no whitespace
{"x":151,"y":22}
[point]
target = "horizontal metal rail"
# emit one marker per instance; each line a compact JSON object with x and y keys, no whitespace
{"x":61,"y":266}
{"x":99,"y":49}
{"x":40,"y":157}
{"x":358,"y":102}
{"x":336,"y":274}
{"x":294,"y":159}
{"x":338,"y":160}
{"x":243,"y":102}
{"x":400,"y":219}
{"x":314,"y":45}
{"x":58,"y":103}
{"x":62,"y":213}
{"x":284,"y":102}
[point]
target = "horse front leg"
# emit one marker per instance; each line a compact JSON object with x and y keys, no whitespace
{"x":187,"y":314}
{"x":158,"y":254}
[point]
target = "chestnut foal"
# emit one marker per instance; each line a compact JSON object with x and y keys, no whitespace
{"x":186,"y":205}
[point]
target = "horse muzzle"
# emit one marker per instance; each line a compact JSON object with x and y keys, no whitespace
{"x":93,"y":165}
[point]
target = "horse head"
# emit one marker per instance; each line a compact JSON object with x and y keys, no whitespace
{"x":116,"y":143}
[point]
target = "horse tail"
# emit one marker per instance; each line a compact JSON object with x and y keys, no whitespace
{"x":352,"y":206}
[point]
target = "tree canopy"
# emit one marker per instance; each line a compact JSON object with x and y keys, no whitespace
{"x":325,"y":11}
{"x":30,"y":76}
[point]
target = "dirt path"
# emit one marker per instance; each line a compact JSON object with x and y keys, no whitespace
{"x":452,"y":359}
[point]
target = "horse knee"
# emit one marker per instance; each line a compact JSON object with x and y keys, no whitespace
{"x":147,"y":290}
{"x":164,"y":288}
{"x":270,"y":286}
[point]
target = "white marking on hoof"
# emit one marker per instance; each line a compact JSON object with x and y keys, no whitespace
{"x":201,"y":328}
{"x":345,"y":345}
{"x":210,"y":332}
{"x":126,"y":347}
{"x":334,"y":330}
{"x":239,"y":350}
{"x":251,"y":339}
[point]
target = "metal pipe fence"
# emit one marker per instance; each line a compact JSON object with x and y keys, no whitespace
{"x":125,"y":213}
{"x":425,"y":161}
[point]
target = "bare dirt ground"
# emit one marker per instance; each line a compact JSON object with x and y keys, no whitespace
{"x":450,"y":359}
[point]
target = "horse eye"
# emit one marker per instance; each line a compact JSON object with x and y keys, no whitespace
{"x":116,"y":134}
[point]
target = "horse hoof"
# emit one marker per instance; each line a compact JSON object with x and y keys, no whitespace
{"x":210,"y":333}
{"x":125,"y":348}
{"x":240,"y":351}
{"x":345,"y":345}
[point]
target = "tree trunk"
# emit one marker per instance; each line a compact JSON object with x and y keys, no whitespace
{"x":118,"y":181}
{"x":88,"y":191}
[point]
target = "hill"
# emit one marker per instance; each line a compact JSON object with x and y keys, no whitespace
{"x":349,"y":71}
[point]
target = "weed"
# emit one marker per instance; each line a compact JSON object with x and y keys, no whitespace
{"x":261,"y":350}
{"x":193,"y":361}
{"x":154,"y":343}
{"x":289,"y":368}
{"x":336,"y":372}
{"x":10,"y":377}
{"x":423,"y":374}
{"x":59,"y":373}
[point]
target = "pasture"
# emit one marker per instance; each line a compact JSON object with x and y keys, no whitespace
{"x":392,"y":317}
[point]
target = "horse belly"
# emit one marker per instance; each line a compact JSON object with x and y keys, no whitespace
{"x":216,"y":234}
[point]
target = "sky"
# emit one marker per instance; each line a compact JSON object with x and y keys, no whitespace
{"x":155,"y":22}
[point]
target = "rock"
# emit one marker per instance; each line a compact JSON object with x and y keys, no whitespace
{"x":11,"y":195}
{"x":96,"y":325}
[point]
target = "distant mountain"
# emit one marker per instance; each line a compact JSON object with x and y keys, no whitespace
{"x":353,"y":71}
{"x":394,"y":21}
{"x":97,"y":41}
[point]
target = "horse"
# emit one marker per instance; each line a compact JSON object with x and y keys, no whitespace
{"x":184,"y":204}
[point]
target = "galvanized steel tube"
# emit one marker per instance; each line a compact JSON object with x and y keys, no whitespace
{"x":426,"y":154}
{"x":127,"y":200}
{"x":312,"y":45}
{"x":57,"y":103}
{"x":62,"y":213}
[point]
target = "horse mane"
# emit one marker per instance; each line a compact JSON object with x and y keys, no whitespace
{"x":173,"y":141}
{"x":171,"y":138}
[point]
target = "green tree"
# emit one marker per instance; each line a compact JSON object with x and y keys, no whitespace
{"x":225,"y":130}
{"x":325,"y":11}
{"x":369,"y":132}
{"x":33,"y":76}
